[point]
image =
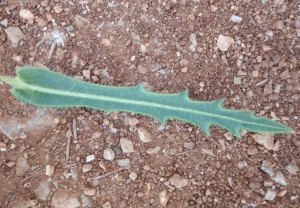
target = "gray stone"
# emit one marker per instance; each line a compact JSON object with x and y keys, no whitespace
{"x":15,"y":35}
{"x":267,"y":167}
{"x":279,"y":178}
{"x":42,"y":191}
{"x":123,"y":162}
{"x":22,"y":166}
{"x":63,"y":199}
{"x":270,"y":194}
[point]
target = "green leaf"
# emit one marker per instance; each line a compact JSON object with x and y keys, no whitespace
{"x":43,"y":87}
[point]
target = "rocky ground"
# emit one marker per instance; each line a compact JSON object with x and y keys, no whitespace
{"x":246,"y":51}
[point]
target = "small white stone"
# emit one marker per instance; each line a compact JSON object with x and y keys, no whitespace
{"x":164,"y":197}
{"x":143,"y":48}
{"x":235,"y":18}
{"x":126,"y":145}
{"x":228,"y":135}
{"x":4,"y":22}
{"x":292,"y":168}
{"x":49,"y":170}
{"x":152,"y":151}
{"x":184,"y":70}
{"x":89,"y":191}
{"x":279,"y":178}
{"x":189,"y":145}
{"x":177,"y":181}
{"x":133,"y":121}
{"x":86,"y":73}
{"x":267,"y":167}
{"x":224,"y":42}
{"x":108,"y":154}
{"x":27,"y":15}
{"x":106,"y":205}
{"x":133,"y":176}
{"x":237,"y":80}
{"x":145,"y":136}
{"x":86,"y":168}
{"x":270,"y":194}
{"x":193,"y":39}
{"x":90,"y":158}
{"x":58,"y":9}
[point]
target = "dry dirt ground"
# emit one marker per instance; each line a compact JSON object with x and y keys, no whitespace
{"x":127,"y":160}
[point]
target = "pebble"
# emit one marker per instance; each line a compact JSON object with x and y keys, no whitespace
{"x":64,"y":200}
{"x":89,"y":191}
{"x":266,"y":47}
{"x":49,"y":170}
{"x":27,"y":15}
{"x":270,"y":194}
{"x":133,"y":121}
{"x":123,"y":162}
{"x":193,"y":39}
{"x":268,"y":89}
{"x":164,"y":197}
{"x":90,"y":158}
{"x":282,"y":193}
{"x":269,"y":33}
{"x":255,"y":73}
{"x":278,"y":2}
{"x":108,"y":154}
{"x":184,"y":70}
{"x":213,"y":8}
{"x":268,"y":183}
{"x":152,"y":151}
{"x":117,"y":150}
{"x":267,"y":167}
{"x":10,"y":164}
{"x":183,"y":63}
{"x":86,"y":168}
{"x":189,"y":145}
{"x":42,"y":191}
{"x":285,"y":74}
{"x":237,"y":80}
{"x":106,"y":205}
{"x":87,"y":74}
{"x":85,"y":200}
{"x":15,"y":35}
{"x":177,"y":181}
{"x":144,"y":135}
{"x":279,"y":25}
{"x":143,"y":48}
{"x":235,"y":18}
{"x":265,"y":139}
{"x":252,"y":150}
{"x":126,"y":145}
{"x":224,"y":42}
{"x":292,"y":168}
{"x":133,"y":176}
{"x":142,"y":69}
{"x":58,"y":9}
{"x":22,"y":166}
{"x":4,"y":22}
{"x":228,"y":135}
{"x":279,"y":178}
